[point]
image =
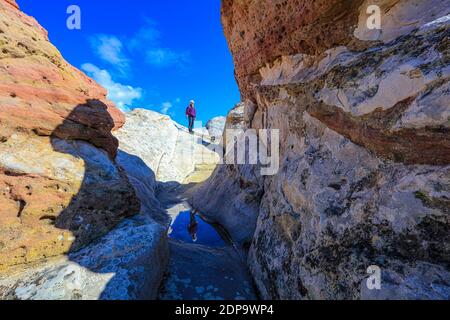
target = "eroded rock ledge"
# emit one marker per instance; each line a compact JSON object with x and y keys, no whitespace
{"x":364,"y":118}
{"x":71,"y":223}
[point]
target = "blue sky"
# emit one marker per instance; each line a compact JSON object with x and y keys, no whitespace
{"x":148,"y":54}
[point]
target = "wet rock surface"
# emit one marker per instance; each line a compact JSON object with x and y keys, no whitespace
{"x":198,"y":272}
{"x":208,"y":268}
{"x":190,"y":227}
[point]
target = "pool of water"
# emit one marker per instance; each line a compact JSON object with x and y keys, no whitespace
{"x":191,"y":228}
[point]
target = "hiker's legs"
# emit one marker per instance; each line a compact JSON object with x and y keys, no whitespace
{"x":191,"y":123}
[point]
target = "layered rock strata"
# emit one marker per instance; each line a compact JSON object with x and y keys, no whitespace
{"x":71,"y":221}
{"x":363,"y":116}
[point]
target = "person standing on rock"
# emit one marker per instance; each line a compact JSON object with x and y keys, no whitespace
{"x":191,"y":113}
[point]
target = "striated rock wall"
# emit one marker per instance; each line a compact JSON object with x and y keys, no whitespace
{"x":41,"y":94}
{"x":60,"y":186}
{"x":12,"y":3}
{"x":364,"y":123}
{"x":78,"y":219}
{"x":282,"y":28}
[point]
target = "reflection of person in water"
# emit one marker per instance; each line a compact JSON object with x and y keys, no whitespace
{"x":193,"y":226}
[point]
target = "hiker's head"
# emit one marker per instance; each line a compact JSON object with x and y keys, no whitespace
{"x":192,"y":103}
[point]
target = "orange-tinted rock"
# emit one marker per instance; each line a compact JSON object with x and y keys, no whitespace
{"x":13,"y":3}
{"x":280,"y":28}
{"x":39,"y":89}
{"x":57,"y":193}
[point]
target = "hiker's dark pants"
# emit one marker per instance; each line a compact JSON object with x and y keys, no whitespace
{"x":191,"y":123}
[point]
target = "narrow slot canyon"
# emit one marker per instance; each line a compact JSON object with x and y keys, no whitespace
{"x":351,"y":169}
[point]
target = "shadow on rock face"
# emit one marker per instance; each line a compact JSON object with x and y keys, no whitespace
{"x":116,"y":250}
{"x":104,"y":214}
{"x":105,"y":196}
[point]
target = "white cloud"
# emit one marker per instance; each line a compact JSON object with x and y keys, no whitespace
{"x":148,"y":42}
{"x":122,"y":95}
{"x":163,"y":57}
{"x":110,"y":49}
{"x":148,"y":35}
{"x":166,"y":106}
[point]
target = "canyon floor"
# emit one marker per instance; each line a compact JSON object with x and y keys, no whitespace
{"x":201,"y":271}
{"x":151,"y":255}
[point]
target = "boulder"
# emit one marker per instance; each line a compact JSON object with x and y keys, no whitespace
{"x":216,"y":126}
{"x":166,"y":147}
{"x":126,"y":264}
{"x":57,"y":196}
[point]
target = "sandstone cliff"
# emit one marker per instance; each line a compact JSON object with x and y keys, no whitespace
{"x":52,"y":183}
{"x":364,"y":123}
{"x":61,"y":187}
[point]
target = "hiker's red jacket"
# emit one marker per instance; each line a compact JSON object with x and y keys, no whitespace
{"x":190,"y":111}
